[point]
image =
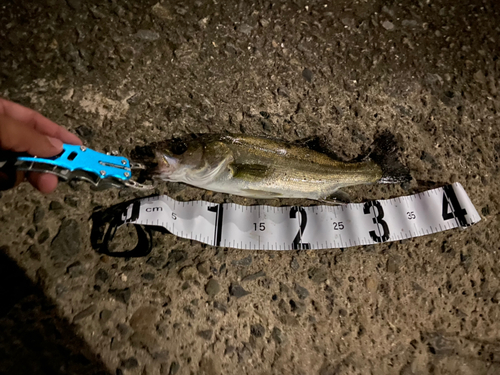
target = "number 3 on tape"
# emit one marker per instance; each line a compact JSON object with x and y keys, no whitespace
{"x":382,"y":233}
{"x":317,"y":227}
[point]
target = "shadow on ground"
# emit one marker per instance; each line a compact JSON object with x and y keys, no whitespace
{"x":34,"y":339}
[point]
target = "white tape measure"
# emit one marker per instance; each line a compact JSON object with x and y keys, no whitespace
{"x":317,"y":227}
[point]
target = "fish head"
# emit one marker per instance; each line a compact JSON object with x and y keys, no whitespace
{"x":178,"y":159}
{"x":195,"y":160}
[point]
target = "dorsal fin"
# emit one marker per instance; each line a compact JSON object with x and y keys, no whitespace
{"x":319,"y":144}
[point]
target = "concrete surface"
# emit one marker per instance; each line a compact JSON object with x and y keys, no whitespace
{"x":125,"y":73}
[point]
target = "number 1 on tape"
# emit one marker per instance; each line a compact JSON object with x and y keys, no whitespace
{"x":317,"y":227}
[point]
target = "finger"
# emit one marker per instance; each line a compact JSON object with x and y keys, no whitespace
{"x":44,"y":182}
{"x":59,"y":133}
{"x":19,"y":137}
{"x":37,"y":121}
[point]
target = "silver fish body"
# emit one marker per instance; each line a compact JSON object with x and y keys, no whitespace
{"x":259,"y":167}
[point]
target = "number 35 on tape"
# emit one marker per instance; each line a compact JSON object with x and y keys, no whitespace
{"x":316,"y":227}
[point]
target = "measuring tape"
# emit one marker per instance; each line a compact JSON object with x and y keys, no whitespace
{"x":317,"y":227}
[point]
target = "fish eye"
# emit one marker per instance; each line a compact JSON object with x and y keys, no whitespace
{"x":179,"y":148}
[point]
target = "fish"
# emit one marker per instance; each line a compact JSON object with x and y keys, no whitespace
{"x":266,"y":168}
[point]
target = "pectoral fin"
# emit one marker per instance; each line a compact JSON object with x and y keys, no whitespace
{"x":250,"y":172}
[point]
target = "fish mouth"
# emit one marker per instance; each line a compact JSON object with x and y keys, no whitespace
{"x":166,"y":166}
{"x":157,"y":164}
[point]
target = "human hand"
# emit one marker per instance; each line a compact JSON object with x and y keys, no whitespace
{"x":25,"y":130}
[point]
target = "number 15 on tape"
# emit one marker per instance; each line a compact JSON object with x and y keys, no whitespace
{"x":317,"y":227}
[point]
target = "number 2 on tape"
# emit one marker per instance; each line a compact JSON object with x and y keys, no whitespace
{"x":297,"y":243}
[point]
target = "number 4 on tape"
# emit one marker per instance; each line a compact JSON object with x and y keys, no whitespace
{"x":317,"y":227}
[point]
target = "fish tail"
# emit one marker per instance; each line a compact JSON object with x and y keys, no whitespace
{"x":384,"y":152}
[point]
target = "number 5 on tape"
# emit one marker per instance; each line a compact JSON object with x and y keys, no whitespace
{"x":317,"y":227}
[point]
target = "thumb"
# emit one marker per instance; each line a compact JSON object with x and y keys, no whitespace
{"x":19,"y":137}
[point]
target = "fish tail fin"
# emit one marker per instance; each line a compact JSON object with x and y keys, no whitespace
{"x":384,"y":152}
